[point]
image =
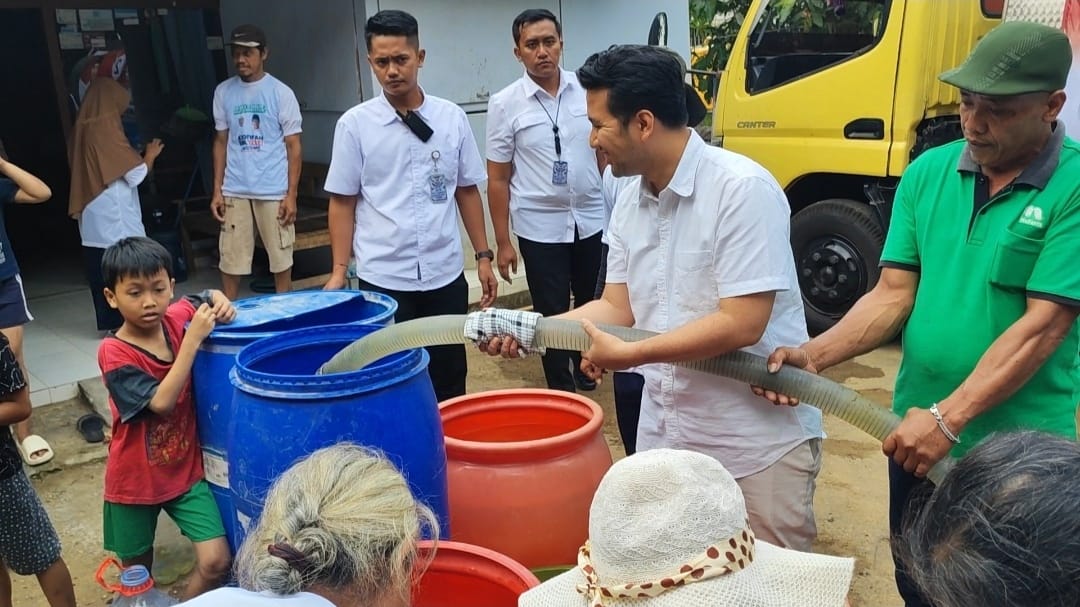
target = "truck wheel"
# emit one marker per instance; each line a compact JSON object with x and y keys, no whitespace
{"x":837,"y":245}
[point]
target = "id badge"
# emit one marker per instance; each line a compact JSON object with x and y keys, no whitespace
{"x":559,"y":172}
{"x":437,"y":185}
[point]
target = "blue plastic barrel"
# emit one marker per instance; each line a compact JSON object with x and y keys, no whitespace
{"x":256,"y":318}
{"x":284,"y":411}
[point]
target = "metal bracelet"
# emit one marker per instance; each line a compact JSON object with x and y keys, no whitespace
{"x":941,"y":425}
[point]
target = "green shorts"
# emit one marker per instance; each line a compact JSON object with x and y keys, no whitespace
{"x":130,"y":529}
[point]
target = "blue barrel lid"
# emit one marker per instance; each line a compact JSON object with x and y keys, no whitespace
{"x":282,"y":310}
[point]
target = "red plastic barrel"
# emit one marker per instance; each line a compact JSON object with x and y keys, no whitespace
{"x":462,"y":575}
{"x":522,"y":467}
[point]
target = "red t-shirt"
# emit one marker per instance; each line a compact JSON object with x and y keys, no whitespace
{"x":152,"y":458}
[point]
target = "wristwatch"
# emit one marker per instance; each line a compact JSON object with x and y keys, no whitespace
{"x":488,"y":254}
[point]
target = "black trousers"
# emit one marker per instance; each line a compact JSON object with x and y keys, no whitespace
{"x":628,"y":387}
{"x":903,"y":486}
{"x":108,"y":319}
{"x":448,"y":367}
{"x":554,"y":271}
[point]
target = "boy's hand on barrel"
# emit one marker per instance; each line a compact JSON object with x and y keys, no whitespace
{"x":201,"y":324}
{"x":223,"y":310}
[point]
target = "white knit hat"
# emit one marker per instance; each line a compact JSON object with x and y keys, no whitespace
{"x":669,"y":528}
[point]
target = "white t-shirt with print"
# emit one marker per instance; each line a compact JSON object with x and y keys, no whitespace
{"x":258,"y":116}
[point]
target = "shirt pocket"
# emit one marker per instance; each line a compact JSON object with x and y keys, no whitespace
{"x":533,"y":129}
{"x":1014,"y":260}
{"x":440,"y":154}
{"x":577,"y":126}
{"x":695,"y":289}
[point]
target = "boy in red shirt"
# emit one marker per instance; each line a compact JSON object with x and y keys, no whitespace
{"x":155,"y":462}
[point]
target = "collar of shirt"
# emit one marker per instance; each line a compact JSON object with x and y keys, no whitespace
{"x":1038,"y":173}
{"x":682,"y":182}
{"x":530,"y":87}
{"x":386,"y":114}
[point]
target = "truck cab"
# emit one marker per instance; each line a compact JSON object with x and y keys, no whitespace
{"x":836,"y":98}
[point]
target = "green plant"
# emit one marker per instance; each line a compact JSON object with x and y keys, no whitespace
{"x":714,"y":25}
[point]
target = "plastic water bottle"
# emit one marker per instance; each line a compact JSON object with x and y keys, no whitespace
{"x":136,"y":588}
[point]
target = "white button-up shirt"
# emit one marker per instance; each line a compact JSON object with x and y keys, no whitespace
{"x":403,"y":239}
{"x":519,"y":131}
{"x":720,"y":229}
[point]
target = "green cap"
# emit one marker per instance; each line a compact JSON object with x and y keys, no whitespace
{"x":1015,"y":58}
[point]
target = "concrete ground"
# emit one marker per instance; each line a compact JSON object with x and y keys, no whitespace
{"x":851,"y":502}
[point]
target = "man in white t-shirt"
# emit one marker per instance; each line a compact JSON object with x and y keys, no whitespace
{"x":405,"y":167}
{"x":257,"y":161}
{"x":543,"y":179}
{"x":699,"y":253}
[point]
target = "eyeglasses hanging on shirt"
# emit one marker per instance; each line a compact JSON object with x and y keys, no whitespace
{"x":560,"y":170}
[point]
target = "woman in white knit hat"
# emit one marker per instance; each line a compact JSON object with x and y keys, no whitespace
{"x":668,"y":528}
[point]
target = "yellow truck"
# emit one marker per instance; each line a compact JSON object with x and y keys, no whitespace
{"x":835,"y":98}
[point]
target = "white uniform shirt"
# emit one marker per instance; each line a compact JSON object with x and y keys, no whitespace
{"x":720,"y":229}
{"x":612,"y":186}
{"x":238,"y":597}
{"x":519,"y":131}
{"x":115,"y":213}
{"x":404,"y":240}
{"x":258,"y":116}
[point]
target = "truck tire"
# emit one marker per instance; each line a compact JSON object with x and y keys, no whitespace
{"x":837,"y":245}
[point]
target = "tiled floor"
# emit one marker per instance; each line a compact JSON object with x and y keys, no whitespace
{"x":60,"y":345}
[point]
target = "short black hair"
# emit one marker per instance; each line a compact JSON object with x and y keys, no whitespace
{"x":638,"y":77}
{"x":530,"y":16}
{"x":392,"y":23}
{"x":135,"y":256}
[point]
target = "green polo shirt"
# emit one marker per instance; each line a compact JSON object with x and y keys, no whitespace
{"x":979,"y":259}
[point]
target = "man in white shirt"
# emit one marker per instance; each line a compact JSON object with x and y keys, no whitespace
{"x":699,"y":253}
{"x":257,"y":161}
{"x":543,"y":179}
{"x":399,"y":159}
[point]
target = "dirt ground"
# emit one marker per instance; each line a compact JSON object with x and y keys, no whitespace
{"x":851,"y":503}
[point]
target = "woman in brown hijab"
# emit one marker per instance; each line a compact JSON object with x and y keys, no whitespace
{"x":105,"y":174}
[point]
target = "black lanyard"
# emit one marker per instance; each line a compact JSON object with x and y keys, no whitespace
{"x":554,"y":121}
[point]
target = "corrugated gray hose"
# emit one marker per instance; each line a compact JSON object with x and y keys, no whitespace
{"x":829,"y":396}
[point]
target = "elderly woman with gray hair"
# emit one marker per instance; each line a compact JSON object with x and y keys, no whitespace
{"x":339,"y":529}
{"x":1003,"y":528}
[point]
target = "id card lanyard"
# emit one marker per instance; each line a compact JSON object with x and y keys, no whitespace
{"x":436,"y":180}
{"x":559,"y":170}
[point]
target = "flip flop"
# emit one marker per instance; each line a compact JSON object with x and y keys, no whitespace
{"x":35,"y":450}
{"x":91,"y":427}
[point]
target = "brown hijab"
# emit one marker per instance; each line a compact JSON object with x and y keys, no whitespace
{"x":100,"y":153}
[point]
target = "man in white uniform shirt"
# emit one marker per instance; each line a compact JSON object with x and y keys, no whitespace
{"x":699,"y":253}
{"x":543,"y":179}
{"x":400,"y":162}
{"x":257,"y":160}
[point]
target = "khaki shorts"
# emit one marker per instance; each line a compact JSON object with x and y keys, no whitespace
{"x":237,"y":242}
{"x":780,"y":498}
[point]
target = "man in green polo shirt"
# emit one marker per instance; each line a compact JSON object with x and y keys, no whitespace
{"x":979,"y":270}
